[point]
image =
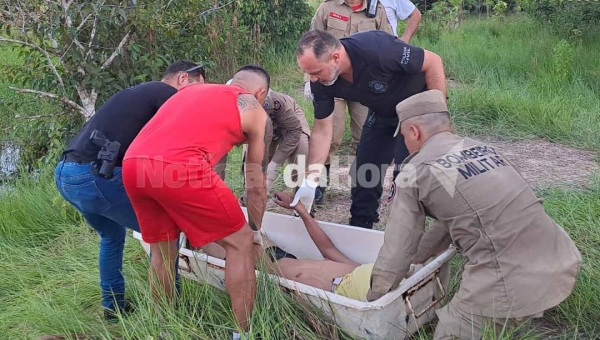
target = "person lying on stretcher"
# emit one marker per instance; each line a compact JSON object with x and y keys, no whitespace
{"x":337,"y":273}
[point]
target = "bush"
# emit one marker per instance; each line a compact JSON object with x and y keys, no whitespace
{"x":81,"y":52}
{"x":573,"y":18}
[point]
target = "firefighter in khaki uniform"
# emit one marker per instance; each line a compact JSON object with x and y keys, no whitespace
{"x":342,"y":19}
{"x":291,"y":133}
{"x":520,"y":262}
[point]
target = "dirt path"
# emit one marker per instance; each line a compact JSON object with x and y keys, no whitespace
{"x":543,"y":164}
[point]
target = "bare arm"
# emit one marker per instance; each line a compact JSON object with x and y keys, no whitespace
{"x":412,"y":23}
{"x":320,"y":142}
{"x":316,"y":233}
{"x":382,"y":22}
{"x":433,"y":68}
{"x":258,"y":128}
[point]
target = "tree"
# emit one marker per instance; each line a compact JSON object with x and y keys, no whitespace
{"x":68,"y":47}
{"x":76,"y":51}
{"x":79,"y":52}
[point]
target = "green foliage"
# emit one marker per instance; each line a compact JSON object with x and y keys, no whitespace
{"x":76,"y":40}
{"x":563,"y":58}
{"x":92,"y":49}
{"x":449,"y":14}
{"x":569,"y":18}
{"x":509,"y":81}
{"x":49,"y":284}
{"x":37,"y":128}
{"x":505,"y":83}
{"x":49,"y":280}
{"x":578,"y":212}
{"x":500,"y":8}
{"x":277,"y":21}
{"x":164,"y":31}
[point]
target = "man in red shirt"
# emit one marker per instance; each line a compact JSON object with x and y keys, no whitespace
{"x":169,"y":176}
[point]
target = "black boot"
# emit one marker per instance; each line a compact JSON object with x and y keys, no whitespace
{"x":361,"y":224}
{"x":111,"y":315}
{"x":319,"y":195}
{"x":320,"y":192}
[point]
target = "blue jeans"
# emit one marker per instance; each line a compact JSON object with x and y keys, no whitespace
{"x":105,"y":206}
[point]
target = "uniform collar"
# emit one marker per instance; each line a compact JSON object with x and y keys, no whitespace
{"x":343,"y":2}
{"x":439,"y":141}
{"x":408,"y":159}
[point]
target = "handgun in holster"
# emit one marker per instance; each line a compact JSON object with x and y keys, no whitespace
{"x":107,"y":156}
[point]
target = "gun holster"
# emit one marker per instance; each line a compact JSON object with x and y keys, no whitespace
{"x":104,"y":166}
{"x":101,"y":169}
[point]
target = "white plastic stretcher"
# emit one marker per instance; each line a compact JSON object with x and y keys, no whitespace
{"x":394,"y":316}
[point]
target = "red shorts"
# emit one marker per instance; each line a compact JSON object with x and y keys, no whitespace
{"x":171,"y":198}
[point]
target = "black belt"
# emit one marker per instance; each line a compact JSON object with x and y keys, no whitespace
{"x":71,"y":158}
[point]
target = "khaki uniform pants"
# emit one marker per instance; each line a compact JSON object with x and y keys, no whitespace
{"x":456,"y":324}
{"x":358,"y":115}
{"x":301,"y":150}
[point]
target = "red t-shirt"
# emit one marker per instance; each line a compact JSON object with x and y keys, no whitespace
{"x":200,"y":123}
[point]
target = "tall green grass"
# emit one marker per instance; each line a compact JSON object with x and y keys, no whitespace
{"x":49,"y":281}
{"x":49,"y":284}
{"x":579,"y":214}
{"x":516,"y":77}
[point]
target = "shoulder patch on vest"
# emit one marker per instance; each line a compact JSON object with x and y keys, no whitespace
{"x":392,"y":193}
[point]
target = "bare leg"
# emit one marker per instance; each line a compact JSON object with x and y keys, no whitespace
{"x":259,"y":254}
{"x":240,"y":279}
{"x":215,"y":250}
{"x":161,"y":276}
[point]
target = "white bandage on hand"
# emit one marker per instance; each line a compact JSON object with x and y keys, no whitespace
{"x":307,"y":91}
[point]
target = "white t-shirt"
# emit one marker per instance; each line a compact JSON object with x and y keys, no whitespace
{"x":397,"y":9}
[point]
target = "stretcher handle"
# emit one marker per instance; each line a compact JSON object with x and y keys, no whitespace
{"x":409,"y":293}
{"x":185,"y":258}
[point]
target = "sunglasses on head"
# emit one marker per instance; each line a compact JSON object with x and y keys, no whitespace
{"x":192,"y":69}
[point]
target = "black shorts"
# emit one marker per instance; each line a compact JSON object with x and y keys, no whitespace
{"x":275,"y":254}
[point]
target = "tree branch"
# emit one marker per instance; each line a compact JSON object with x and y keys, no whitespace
{"x":93,"y":34}
{"x":83,"y":22}
{"x":69,"y":21}
{"x":64,"y":100}
{"x":112,"y":57}
{"x":37,"y":116}
{"x":48,"y":58}
{"x":206,"y":12}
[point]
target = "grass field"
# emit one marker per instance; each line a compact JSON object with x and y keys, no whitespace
{"x":514,"y":78}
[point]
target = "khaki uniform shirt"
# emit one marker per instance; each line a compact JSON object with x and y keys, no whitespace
{"x":289,"y":123}
{"x":520,"y":262}
{"x":337,"y":18}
